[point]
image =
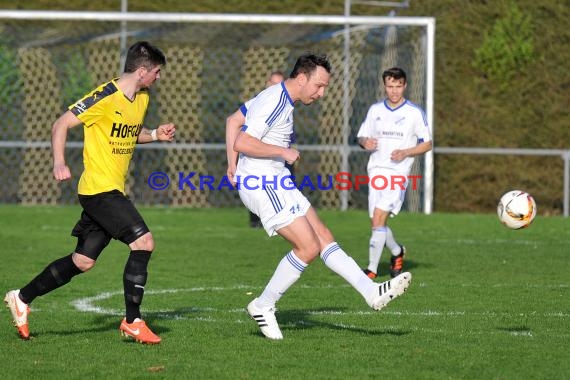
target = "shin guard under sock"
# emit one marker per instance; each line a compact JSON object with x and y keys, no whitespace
{"x":134,"y":280}
{"x":56,"y":274}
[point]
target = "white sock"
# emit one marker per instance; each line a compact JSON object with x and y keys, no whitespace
{"x":339,"y":262}
{"x":288,"y":271}
{"x":391,"y":243}
{"x":377,"y":241}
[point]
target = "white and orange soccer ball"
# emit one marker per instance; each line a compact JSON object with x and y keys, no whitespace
{"x":516,"y":209}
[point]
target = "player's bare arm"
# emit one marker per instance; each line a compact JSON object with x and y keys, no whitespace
{"x":164,"y":132}
{"x":368,"y":143}
{"x":233,"y":124}
{"x":59,"y":129}
{"x":253,"y":147}
{"x":400,"y":154}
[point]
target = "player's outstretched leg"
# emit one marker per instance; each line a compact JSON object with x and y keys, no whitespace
{"x":139,"y":331}
{"x":19,"y":311}
{"x":265,"y":318}
{"x":389,"y":290}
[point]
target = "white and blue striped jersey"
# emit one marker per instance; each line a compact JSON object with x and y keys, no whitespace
{"x":269,"y":118}
{"x":399,"y":128}
{"x":244,"y":107}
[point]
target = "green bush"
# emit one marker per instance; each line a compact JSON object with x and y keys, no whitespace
{"x":78,"y":80}
{"x":508,"y":48}
{"x":10,"y":84}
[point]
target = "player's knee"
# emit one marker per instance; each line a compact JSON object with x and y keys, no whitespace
{"x":325,"y":236}
{"x":309,"y":250}
{"x":89,"y":247}
{"x":82,"y":262}
{"x":143,"y":243}
{"x":314,"y":247}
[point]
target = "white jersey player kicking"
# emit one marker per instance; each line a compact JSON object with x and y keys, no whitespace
{"x":265,"y":188}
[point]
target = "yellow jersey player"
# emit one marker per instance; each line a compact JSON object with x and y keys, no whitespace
{"x":112,"y":116}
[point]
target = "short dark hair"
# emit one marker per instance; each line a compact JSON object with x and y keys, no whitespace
{"x":143,"y":54}
{"x":307,"y":63}
{"x":394,"y":73}
{"x":277,"y":72}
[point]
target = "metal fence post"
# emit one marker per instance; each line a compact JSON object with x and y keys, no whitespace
{"x":566,"y":158}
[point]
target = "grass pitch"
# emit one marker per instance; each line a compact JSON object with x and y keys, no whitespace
{"x":485,"y":302}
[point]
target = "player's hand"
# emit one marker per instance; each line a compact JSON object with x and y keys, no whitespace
{"x":291,"y":155}
{"x":231,"y":173}
{"x":61,"y":172}
{"x":165,"y":132}
{"x":398,"y":155}
{"x":370,"y":143}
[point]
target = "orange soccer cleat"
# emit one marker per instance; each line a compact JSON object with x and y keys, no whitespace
{"x":139,"y":331}
{"x":19,"y":311}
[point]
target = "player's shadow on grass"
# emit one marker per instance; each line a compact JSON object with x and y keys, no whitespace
{"x":104,"y":323}
{"x":516,"y":330}
{"x":100,"y":324}
{"x":295,"y":320}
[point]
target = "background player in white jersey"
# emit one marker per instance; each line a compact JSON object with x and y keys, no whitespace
{"x":395,"y":131}
{"x":234,"y":122}
{"x":265,"y":187}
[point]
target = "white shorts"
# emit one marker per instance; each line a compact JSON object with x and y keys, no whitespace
{"x":386,"y":190}
{"x":277,"y":204}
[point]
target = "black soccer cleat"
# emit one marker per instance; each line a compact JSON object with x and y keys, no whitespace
{"x":397,"y":262}
{"x":371,"y":275}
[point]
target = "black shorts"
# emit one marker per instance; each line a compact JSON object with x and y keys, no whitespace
{"x":105,"y":216}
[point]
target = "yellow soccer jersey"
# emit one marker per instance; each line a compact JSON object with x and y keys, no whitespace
{"x":111,"y":125}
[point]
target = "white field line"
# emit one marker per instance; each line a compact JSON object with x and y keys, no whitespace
{"x":539,"y":286}
{"x":88,"y":304}
{"x":487,"y":242}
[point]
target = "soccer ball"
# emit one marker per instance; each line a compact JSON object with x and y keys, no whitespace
{"x":516,"y":209}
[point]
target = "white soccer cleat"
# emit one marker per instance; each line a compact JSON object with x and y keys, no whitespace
{"x":19,"y":311}
{"x":265,"y":319}
{"x":390,"y":290}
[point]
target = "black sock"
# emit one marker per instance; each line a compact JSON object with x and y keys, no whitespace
{"x":134,"y":280}
{"x":56,"y":274}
